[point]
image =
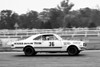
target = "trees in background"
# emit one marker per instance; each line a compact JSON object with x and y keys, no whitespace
{"x":29,"y":20}
{"x":65,"y":7}
{"x":91,"y":25}
{"x":54,"y":17}
{"x":58,"y":17}
{"x":8,"y":19}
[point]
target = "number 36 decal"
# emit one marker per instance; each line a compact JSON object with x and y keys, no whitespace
{"x":51,"y":43}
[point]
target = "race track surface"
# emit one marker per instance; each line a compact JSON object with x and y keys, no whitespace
{"x":18,"y":59}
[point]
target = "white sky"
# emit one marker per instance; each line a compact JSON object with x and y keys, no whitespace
{"x":22,"y":6}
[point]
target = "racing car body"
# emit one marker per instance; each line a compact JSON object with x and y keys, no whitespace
{"x":48,"y":43}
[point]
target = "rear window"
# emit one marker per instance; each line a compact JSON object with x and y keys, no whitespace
{"x":38,"y":38}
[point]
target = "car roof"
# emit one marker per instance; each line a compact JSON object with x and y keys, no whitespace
{"x":42,"y":34}
{"x":33,"y":36}
{"x":46,"y":34}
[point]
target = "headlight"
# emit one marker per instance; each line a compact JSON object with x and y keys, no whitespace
{"x":12,"y":45}
{"x":84,"y":44}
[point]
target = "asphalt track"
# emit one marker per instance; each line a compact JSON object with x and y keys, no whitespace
{"x":88,"y":58}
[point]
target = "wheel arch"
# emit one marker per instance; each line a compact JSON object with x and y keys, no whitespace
{"x":72,"y":46}
{"x":73,"y":50}
{"x":27,"y":46}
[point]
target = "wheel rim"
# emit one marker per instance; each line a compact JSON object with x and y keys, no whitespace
{"x":28,"y":51}
{"x":72,"y":51}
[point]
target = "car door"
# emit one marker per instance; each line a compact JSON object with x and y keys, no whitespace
{"x":51,"y":43}
{"x":38,"y":43}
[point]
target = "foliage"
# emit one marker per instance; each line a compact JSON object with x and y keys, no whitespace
{"x":65,"y":7}
{"x":92,"y":25}
{"x":61,"y":16}
{"x":8,"y":18}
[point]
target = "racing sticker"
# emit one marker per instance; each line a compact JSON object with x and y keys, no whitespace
{"x":37,"y":42}
{"x":51,"y":43}
{"x":28,"y":43}
{"x":21,"y":43}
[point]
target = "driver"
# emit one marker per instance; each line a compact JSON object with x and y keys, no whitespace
{"x":47,"y":38}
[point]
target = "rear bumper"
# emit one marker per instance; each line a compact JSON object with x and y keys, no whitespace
{"x":17,"y":48}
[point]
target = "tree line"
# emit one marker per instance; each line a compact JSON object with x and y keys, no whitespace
{"x":60,"y":17}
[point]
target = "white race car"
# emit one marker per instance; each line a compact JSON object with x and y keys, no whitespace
{"x":48,"y":43}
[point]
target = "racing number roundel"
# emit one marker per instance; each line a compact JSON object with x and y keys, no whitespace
{"x":51,"y":43}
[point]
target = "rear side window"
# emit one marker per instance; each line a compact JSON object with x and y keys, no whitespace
{"x":49,"y":37}
{"x":38,"y":38}
{"x":52,"y":37}
{"x":46,"y":37}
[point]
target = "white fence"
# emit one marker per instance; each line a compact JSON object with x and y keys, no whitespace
{"x":93,"y":43}
{"x":26,"y":33}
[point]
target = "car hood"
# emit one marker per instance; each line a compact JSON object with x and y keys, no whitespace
{"x":73,"y":41}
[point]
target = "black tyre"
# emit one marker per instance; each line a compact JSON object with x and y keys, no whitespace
{"x":29,"y":51}
{"x":73,"y":50}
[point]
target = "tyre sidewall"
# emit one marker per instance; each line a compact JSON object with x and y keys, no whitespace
{"x":73,"y":51}
{"x":29,"y":51}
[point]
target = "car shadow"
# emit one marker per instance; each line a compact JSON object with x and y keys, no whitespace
{"x":51,"y":55}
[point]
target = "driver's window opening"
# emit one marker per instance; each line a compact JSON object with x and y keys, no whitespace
{"x":37,"y":38}
{"x":46,"y":37}
{"x":49,"y":37}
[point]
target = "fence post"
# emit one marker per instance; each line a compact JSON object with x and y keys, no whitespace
{"x":74,"y":34}
{"x":85,"y":33}
{"x":98,"y":33}
{"x":15,"y":33}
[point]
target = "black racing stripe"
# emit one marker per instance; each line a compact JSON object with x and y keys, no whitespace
{"x":19,"y":47}
{"x":40,"y":47}
{"x":47,"y":47}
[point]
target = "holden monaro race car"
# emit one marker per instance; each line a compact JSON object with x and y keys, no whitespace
{"x":48,"y":43}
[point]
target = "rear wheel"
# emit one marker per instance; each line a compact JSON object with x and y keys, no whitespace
{"x":73,"y":50}
{"x":29,"y":51}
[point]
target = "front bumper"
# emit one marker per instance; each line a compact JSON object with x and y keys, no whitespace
{"x":82,"y":48}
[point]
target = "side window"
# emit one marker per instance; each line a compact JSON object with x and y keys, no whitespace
{"x":38,"y":38}
{"x":43,"y":37}
{"x":53,"y":38}
{"x":50,"y":37}
{"x":46,"y":37}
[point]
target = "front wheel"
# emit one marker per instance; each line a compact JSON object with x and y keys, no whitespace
{"x":29,"y":51}
{"x":73,"y":50}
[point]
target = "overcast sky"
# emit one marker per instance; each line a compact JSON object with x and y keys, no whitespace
{"x":23,"y":6}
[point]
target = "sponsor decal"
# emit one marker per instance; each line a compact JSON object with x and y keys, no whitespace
{"x":76,"y":42}
{"x":37,"y":42}
{"x":28,"y":43}
{"x":51,"y":44}
{"x":18,"y":43}
{"x":67,"y":43}
{"x":21,"y":43}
